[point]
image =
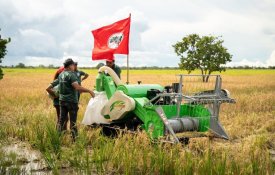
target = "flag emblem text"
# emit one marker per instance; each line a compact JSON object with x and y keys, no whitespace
{"x":115,"y":40}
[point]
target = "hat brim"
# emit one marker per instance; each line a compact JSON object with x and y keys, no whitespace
{"x":110,"y":60}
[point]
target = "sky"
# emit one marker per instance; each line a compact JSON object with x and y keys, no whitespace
{"x":49,"y":31}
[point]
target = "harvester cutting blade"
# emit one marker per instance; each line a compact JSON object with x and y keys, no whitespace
{"x":217,"y":128}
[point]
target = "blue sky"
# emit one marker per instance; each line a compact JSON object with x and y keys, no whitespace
{"x":48,"y":31}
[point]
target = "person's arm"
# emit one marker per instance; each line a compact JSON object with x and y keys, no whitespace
{"x":82,"y":89}
{"x":85,"y":76}
{"x":50,"y":88}
{"x":56,"y":75}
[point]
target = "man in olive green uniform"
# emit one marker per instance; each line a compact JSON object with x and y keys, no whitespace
{"x":79,"y":74}
{"x":68,"y":96}
{"x":111,"y":63}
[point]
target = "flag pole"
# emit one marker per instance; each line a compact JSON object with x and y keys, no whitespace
{"x":127,"y":69}
{"x":128,"y":57}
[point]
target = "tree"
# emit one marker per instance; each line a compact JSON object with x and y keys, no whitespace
{"x":20,"y":65}
{"x":41,"y":66}
{"x":51,"y":66}
{"x":99,"y":65}
{"x":3,"y":52}
{"x":205,"y":53}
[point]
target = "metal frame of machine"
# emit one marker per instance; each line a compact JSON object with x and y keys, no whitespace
{"x":163,"y":113}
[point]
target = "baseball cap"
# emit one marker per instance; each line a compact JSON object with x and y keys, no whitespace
{"x":68,"y":62}
{"x":110,"y":59}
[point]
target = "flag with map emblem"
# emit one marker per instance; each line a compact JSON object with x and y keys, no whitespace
{"x":111,"y":39}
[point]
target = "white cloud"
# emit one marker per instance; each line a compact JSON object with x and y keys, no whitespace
{"x":36,"y":61}
{"x":145,"y":58}
{"x":271,"y":60}
{"x":36,"y":42}
{"x":246,"y":62}
{"x":57,"y":29}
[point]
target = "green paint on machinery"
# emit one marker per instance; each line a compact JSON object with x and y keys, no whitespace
{"x":163,"y":111}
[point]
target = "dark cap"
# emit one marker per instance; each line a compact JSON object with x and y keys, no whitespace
{"x":68,"y":62}
{"x":75,"y":63}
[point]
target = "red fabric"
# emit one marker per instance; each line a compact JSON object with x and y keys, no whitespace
{"x":58,"y":71}
{"x":111,"y":39}
{"x":110,"y":59}
{"x":61,"y":69}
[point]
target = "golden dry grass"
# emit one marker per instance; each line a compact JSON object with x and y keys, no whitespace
{"x":250,"y":122}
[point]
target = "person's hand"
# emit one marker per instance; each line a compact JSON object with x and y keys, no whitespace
{"x":92,"y":94}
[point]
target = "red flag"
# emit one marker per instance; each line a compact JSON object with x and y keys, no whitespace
{"x":111,"y":39}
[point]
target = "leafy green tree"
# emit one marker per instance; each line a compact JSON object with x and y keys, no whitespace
{"x":20,"y":65}
{"x":3,"y":52}
{"x":206,"y":53}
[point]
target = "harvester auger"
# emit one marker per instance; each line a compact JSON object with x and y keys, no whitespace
{"x":163,"y":112}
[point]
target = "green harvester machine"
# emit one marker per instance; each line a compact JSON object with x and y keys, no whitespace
{"x":166,"y":113}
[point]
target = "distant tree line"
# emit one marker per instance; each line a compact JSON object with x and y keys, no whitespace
{"x":51,"y":66}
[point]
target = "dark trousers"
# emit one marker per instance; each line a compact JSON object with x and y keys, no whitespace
{"x":78,"y":96}
{"x":57,"y":108}
{"x":65,"y":109}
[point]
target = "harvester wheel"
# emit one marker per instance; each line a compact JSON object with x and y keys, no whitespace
{"x":109,"y":131}
{"x":184,"y":140}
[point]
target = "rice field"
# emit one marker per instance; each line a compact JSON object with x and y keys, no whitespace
{"x":27,"y":122}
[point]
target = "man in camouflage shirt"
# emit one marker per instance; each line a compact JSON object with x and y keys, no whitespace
{"x":68,"y":96}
